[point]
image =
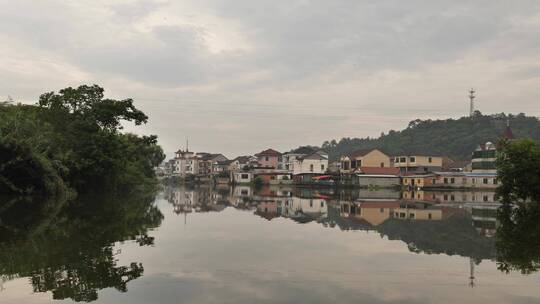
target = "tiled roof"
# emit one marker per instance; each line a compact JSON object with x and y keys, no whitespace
{"x":269,"y":152}
{"x":362,"y":152}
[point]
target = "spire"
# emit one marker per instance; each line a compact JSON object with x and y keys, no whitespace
{"x":187,"y":144}
{"x":508,"y":134}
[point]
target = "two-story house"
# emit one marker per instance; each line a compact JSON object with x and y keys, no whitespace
{"x":269,"y":158}
{"x":418,"y":163}
{"x":364,"y":158}
{"x":316,"y":163}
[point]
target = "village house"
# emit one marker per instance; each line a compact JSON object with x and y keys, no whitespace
{"x":418,"y":163}
{"x":269,"y":158}
{"x":274,"y":177}
{"x":316,"y":163}
{"x":418,"y":181}
{"x":288,"y":159}
{"x":462,"y":180}
{"x":242,"y":163}
{"x":364,"y":158}
{"x":185,"y":163}
{"x":207,"y":160}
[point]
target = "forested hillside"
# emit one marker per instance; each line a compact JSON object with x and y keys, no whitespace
{"x":456,"y":138}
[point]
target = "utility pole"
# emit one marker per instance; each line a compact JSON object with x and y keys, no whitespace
{"x":471,"y":98}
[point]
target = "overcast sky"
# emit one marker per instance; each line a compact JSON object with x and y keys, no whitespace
{"x":239,"y":76}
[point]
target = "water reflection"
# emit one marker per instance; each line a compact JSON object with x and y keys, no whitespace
{"x":428,"y":222}
{"x":68,"y":248}
{"x":231,"y":242}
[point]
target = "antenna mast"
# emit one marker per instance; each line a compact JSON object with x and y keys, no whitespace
{"x":471,"y":98}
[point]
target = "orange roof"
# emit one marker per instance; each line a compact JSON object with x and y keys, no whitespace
{"x":379,"y":170}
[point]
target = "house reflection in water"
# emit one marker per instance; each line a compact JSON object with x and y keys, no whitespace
{"x":374,"y":212}
{"x":451,"y":196}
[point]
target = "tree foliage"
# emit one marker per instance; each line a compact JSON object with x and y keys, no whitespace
{"x":74,"y":138}
{"x":456,"y":138}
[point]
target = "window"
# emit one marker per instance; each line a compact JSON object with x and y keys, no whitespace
{"x":429,"y":215}
{"x":452,"y":198}
{"x":412,"y":159}
{"x":430,"y":160}
{"x":464,"y":180}
{"x":382,"y":165}
{"x":411,"y":215}
{"x":486,"y":198}
{"x":244,"y":192}
{"x":474,"y":181}
{"x":446,"y":180}
{"x":359,"y":163}
{"x":273,"y":177}
{"x":494,"y":181}
{"x":353,"y":164}
{"x":266,"y":158}
{"x":381,"y":210}
{"x":486,"y":181}
{"x":322,"y":167}
{"x":396,"y":160}
{"x":446,"y":197}
{"x":322,"y":203}
{"x":311,"y":168}
{"x":311,"y":203}
{"x":452,"y":180}
{"x":245,"y":176}
{"x":403,"y":160}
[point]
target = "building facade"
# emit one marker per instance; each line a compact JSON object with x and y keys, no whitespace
{"x":364,"y":158}
{"x":418,"y":163}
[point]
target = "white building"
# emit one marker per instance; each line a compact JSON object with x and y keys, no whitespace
{"x":314,"y":163}
{"x":185,"y":163}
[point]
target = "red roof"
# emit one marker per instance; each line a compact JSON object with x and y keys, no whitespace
{"x":269,"y":152}
{"x":379,"y":170}
{"x":388,"y":204}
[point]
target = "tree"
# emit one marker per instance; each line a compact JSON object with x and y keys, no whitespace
{"x":75,"y":135}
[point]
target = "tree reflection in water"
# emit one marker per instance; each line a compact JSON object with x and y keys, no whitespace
{"x":67,"y":248}
{"x":518,"y":238}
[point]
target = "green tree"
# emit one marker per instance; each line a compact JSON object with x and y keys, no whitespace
{"x":74,"y":138}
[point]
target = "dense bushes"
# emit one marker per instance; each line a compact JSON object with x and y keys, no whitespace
{"x":73,"y":139}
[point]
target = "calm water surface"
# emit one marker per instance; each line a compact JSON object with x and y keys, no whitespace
{"x":275,"y":245}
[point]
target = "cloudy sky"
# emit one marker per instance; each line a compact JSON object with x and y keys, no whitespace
{"x":239,"y":76}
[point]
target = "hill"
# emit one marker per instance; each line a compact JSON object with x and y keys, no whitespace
{"x":456,"y":138}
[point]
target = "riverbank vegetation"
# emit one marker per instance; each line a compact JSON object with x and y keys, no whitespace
{"x":73,"y":141}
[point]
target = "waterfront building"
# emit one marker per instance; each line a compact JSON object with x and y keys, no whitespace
{"x":418,"y":163}
{"x":364,"y":158}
